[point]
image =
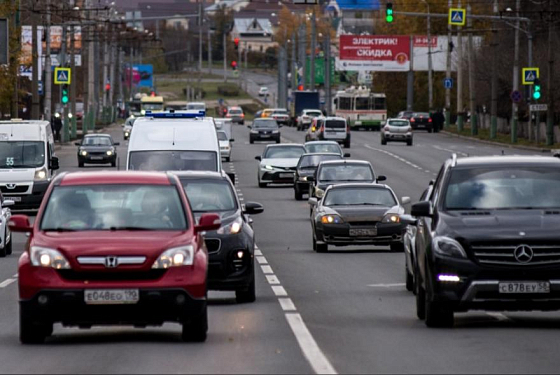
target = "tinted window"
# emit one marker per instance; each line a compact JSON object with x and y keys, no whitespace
{"x":22,"y":154}
{"x":504,"y":188}
{"x":222,"y":136}
{"x":284,"y":152}
{"x":398,"y":123}
{"x":210,"y":196}
{"x":346,"y":172}
{"x":312,"y":161}
{"x":345,"y":103}
{"x":380,"y":103}
{"x":313,"y":113}
{"x":173,"y":161}
{"x":96,"y":141}
{"x":152,"y":106}
{"x":362,"y":104}
{"x":316,"y":148}
{"x":265,"y":124}
{"x":335,"y":124}
{"x":421,"y":114}
{"x":235,"y":111}
{"x":360,"y":196}
{"x":106,"y":207}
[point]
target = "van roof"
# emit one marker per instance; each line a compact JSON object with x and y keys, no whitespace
{"x":23,"y":130}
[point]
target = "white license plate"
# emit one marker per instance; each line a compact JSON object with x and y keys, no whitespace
{"x":97,"y":158}
{"x":285,"y":175}
{"x":9,"y":198}
{"x":525,"y":287}
{"x":111,"y":296}
{"x":265,"y":135}
{"x":367,"y":232}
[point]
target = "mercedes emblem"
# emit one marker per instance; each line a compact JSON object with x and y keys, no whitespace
{"x":523,"y":253}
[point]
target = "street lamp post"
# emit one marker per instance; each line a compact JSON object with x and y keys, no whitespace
{"x":430,"y":80}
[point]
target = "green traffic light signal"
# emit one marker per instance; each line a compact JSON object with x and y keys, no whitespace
{"x":64,"y":98}
{"x":537,"y":89}
{"x":389,"y":13}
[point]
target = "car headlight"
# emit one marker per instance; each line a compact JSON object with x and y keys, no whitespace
{"x":448,"y":247}
{"x":391,"y":218}
{"x":40,"y":174}
{"x":126,"y":134}
{"x":254,"y":132}
{"x":44,"y":257}
{"x":331,"y":219}
{"x":83,"y":153}
{"x":70,"y":115}
{"x":275,"y":132}
{"x":225,"y":148}
{"x":143,"y":112}
{"x":269,"y":167}
{"x":109,"y":153}
{"x":232,"y":228}
{"x":303,"y":178}
{"x":175,"y":257}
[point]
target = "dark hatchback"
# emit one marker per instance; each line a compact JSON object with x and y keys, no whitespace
{"x":306,"y":167}
{"x":339,"y":172}
{"x":264,"y":129}
{"x":97,"y":149}
{"x":488,"y":238}
{"x":421,"y":120}
{"x":231,"y":248}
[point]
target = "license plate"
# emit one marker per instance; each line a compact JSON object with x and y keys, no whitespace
{"x":265,"y":135}
{"x":525,"y":287}
{"x":285,"y":175}
{"x":97,"y":158}
{"x":111,"y":296}
{"x":15,"y":199}
{"x":363,"y":232}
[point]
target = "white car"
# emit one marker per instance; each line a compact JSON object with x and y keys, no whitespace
{"x":278,"y":163}
{"x":5,"y":233}
{"x":263,"y":91}
{"x":225,"y":145}
{"x":127,"y":127}
{"x":306,"y":117}
{"x":396,"y":130}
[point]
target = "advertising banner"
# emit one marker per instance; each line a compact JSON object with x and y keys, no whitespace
{"x":26,"y":58}
{"x":374,"y":53}
{"x":142,"y":76}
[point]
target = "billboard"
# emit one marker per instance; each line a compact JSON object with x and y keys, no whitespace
{"x":26,"y":57}
{"x":374,"y":53}
{"x":142,"y":76}
{"x":363,"y":5}
{"x":439,"y":47}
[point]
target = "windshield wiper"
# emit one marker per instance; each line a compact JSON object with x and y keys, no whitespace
{"x":363,"y":204}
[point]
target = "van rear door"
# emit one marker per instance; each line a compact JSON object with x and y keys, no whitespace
{"x":335,"y":129}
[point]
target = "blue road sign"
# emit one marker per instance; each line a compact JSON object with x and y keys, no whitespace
{"x":516,"y":96}
{"x":530,"y":75}
{"x":40,"y":87}
{"x":448,"y":83}
{"x":457,"y":16}
{"x":62,"y":76}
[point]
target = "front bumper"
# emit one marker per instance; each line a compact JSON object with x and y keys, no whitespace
{"x":339,"y":234}
{"x":225,"y":153}
{"x":277,"y":176}
{"x":30,"y":201}
{"x":97,"y":159}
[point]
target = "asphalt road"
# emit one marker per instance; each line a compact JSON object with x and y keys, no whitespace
{"x":345,"y":311}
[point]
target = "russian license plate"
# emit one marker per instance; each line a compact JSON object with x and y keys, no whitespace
{"x":366,"y":232}
{"x":525,"y":287}
{"x":111,"y":296}
{"x":265,"y":135}
{"x":285,"y":175}
{"x":11,"y":198}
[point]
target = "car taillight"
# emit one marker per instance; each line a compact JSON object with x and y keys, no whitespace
{"x":386,"y":128}
{"x":243,"y":115}
{"x":228,"y":115}
{"x":412,"y":119}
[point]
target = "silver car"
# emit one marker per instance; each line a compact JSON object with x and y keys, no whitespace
{"x":396,"y":130}
{"x":127,"y":127}
{"x":225,"y":145}
{"x":278,"y":163}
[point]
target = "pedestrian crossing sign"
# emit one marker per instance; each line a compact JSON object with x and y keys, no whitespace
{"x":530,"y":75}
{"x":457,"y":16}
{"x":62,"y":76}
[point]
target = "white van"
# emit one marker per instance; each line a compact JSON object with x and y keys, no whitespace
{"x":174,"y":142}
{"x":27,"y":161}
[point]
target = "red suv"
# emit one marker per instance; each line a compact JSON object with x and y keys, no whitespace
{"x":113,"y":248}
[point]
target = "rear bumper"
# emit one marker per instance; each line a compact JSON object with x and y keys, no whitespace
{"x":397,"y":137}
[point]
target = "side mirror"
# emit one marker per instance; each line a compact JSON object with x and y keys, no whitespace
{"x":253,"y":208}
{"x":319,"y":193}
{"x":312,"y":201}
{"x":232,"y":140}
{"x":405,"y":200}
{"x":20,"y":223}
{"x":208,"y":222}
{"x":77,"y":144}
{"x":280,"y":125}
{"x":116,"y":143}
{"x":249,"y":126}
{"x":408,"y":220}
{"x":258,"y":158}
{"x":8,"y":203}
{"x":421,"y":209}
{"x":381,"y":178}
{"x":54,"y":163}
{"x":346,"y":155}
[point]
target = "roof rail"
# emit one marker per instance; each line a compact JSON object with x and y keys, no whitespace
{"x":454,"y":160}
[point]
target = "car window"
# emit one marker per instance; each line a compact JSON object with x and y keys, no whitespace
{"x":287,"y":152}
{"x":313,"y":113}
{"x":96,"y":141}
{"x":113,"y":207}
{"x":360,"y":196}
{"x":235,"y":111}
{"x":335,"y":124}
{"x":346,"y":172}
{"x":312,"y":161}
{"x":173,"y":161}
{"x":398,"y":123}
{"x":194,"y":106}
{"x":210,"y":196}
{"x":265,"y":124}
{"x":280,"y":112}
{"x":317,"y":148}
{"x":222,"y":136}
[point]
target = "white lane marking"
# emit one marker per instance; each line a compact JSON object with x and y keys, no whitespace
{"x":272,"y":279}
{"x":266,"y":269}
{"x":407,"y":162}
{"x":262,"y":260}
{"x":308,"y":345}
{"x":449,"y":150}
{"x":287,"y":304}
{"x":258,"y":252}
{"x":501,"y":317}
{"x":386,"y":285}
{"x":16,"y":275}
{"x":279,"y":290}
{"x":7,"y":282}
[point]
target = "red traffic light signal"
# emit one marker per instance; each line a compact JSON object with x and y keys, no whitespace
{"x":107,"y":87}
{"x":234,"y":64}
{"x":236,"y":41}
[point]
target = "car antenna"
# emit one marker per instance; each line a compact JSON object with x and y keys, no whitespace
{"x":173,"y":136}
{"x":503,"y":153}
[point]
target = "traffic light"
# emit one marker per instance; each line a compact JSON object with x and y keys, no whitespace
{"x":64,"y":97}
{"x":236,"y":41}
{"x":537,"y":89}
{"x":107,"y":87}
{"x":389,"y":13}
{"x":234,"y":65}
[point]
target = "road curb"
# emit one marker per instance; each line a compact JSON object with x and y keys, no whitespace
{"x":520,"y":147}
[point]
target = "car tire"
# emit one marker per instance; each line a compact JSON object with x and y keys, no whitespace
{"x":31,"y":332}
{"x":262,"y":184}
{"x":8,"y":245}
{"x":420,"y":296}
{"x":278,"y":140}
{"x":251,"y":140}
{"x":80,"y":164}
{"x":383,"y":142}
{"x":195,"y":329}
{"x":409,"y":143}
{"x":113,"y":164}
{"x":228,"y":159}
{"x":247,"y":296}
{"x":430,"y":130}
{"x":298,"y":195}
{"x":409,"y":283}
{"x":437,"y":315}
{"x":397,"y":247}
{"x":319,"y":248}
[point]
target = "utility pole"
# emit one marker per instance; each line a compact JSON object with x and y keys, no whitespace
{"x":294,"y":62}
{"x":14,"y":62}
{"x":209,"y":51}
{"x":460,"y":112}
{"x":430,"y":73}
{"x":312,"y":52}
{"x":48,"y":73}
{"x":199,"y":36}
{"x":73,"y":83}
{"x":514,"y":105}
{"x":105,"y":70}
{"x":225,"y":55}
{"x":494,"y":79}
{"x":549,"y":88}
{"x":472,"y":104}
{"x":303,"y":53}
{"x":91,"y":76}
{"x":35,"y":106}
{"x":410,"y":79}
{"x":327,"y":49}
{"x":62,"y":58}
{"x":448,"y":72}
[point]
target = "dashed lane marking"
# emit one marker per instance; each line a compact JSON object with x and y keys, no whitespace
{"x":386,"y":285}
{"x":501,"y":317}
{"x":262,"y":260}
{"x":287,"y":304}
{"x":450,"y":151}
{"x":409,"y":163}
{"x":7,"y":282}
{"x":279,"y":290}
{"x":266,"y":270}
{"x":258,"y":252}
{"x":272,"y":279}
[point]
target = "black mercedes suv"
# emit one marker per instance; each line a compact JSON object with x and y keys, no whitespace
{"x":488,"y":239}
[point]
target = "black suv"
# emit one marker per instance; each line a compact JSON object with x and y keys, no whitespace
{"x":487,"y":238}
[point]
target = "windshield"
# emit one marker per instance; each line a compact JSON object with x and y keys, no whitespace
{"x":22,"y":154}
{"x":346,"y":172}
{"x":312,"y":161}
{"x":200,"y":107}
{"x":398,"y":123}
{"x":317,"y":148}
{"x":114,"y":207}
{"x":266,"y":124}
{"x":335,"y":124}
{"x":173,"y":161}
{"x":235,"y":111}
{"x":359,"y":196}
{"x":210,"y":195}
{"x":222,"y":136}
{"x":152,"y":106}
{"x":96,"y":141}
{"x":287,"y":152}
{"x":503,"y":188}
